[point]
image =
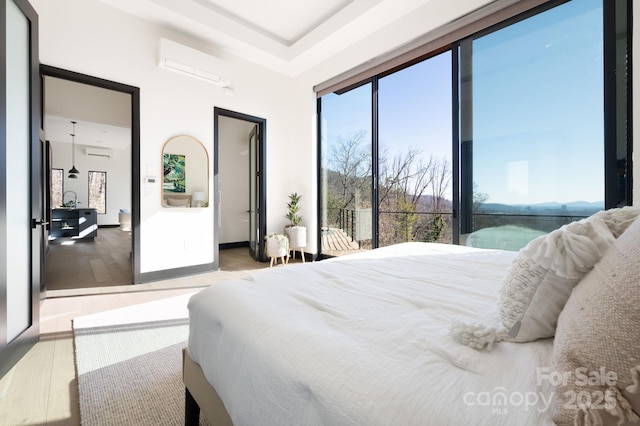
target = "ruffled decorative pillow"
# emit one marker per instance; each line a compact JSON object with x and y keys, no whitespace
{"x":542,"y":276}
{"x":597,"y":342}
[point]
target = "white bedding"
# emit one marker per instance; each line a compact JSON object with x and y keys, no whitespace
{"x":365,"y":339}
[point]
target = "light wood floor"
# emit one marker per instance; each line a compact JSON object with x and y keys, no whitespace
{"x":41,"y":389}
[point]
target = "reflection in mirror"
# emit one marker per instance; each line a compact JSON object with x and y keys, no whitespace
{"x":185,"y":171}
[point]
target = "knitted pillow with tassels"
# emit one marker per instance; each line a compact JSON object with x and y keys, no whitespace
{"x":542,"y":276}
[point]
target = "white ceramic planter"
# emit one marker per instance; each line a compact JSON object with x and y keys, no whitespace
{"x":297,"y":236}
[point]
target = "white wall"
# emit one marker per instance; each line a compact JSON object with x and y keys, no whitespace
{"x":233,"y":179}
{"x":89,"y":37}
{"x":118,"y":169}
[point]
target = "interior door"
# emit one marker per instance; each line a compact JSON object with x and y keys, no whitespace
{"x":254,"y":195}
{"x":21,"y":229}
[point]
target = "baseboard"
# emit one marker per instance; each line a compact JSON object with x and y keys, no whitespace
{"x":166,"y":274}
{"x":239,"y":244}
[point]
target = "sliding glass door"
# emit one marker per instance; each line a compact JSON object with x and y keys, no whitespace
{"x":345,"y":172}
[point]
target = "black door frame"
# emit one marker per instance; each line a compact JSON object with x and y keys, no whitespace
{"x":254,"y":141}
{"x":261,"y":161}
{"x":12,"y":352}
{"x":46,"y":70}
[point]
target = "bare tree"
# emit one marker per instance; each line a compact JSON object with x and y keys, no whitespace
{"x":406,"y":178}
{"x":352,"y":163}
{"x":410,"y":186}
{"x":403,"y":184}
{"x":441,"y":179}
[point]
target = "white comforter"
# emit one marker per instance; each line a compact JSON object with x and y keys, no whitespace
{"x":364,"y":339}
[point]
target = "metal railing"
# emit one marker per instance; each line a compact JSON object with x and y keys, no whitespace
{"x":397,"y":226}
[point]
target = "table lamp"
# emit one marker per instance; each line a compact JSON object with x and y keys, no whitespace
{"x":197,"y":198}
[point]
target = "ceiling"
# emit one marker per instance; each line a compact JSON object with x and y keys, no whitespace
{"x":288,"y":36}
{"x":104,"y":124}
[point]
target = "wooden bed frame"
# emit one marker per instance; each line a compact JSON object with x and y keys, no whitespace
{"x":201,"y":396}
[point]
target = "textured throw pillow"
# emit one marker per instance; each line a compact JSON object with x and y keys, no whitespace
{"x":597,"y":343}
{"x":543,"y":274}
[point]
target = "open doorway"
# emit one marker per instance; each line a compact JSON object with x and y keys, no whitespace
{"x":92,"y":131}
{"x":239,"y":181}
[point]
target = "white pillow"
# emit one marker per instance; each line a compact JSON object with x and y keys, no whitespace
{"x":542,"y":276}
{"x":545,"y":271}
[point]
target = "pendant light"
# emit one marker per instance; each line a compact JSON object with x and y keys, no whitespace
{"x":73,"y":172}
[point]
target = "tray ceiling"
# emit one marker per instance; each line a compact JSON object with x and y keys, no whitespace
{"x":288,"y":36}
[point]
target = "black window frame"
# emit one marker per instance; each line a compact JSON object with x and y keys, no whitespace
{"x":461,"y":179}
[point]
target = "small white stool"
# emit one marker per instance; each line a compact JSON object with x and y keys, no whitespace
{"x":284,"y":262}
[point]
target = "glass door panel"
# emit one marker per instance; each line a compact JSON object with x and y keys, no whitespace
{"x":21,"y":224}
{"x":346,"y":178}
{"x":18,"y":170}
{"x":414,"y":153}
{"x":532,"y":126}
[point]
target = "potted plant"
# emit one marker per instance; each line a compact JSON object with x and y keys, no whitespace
{"x":297,"y":233}
{"x":276,"y":246}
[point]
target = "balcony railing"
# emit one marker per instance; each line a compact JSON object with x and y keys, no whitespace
{"x":396,"y":226}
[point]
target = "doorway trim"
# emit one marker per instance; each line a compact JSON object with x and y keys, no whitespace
{"x":13,"y":348}
{"x":47,"y":70}
{"x":262,"y":185}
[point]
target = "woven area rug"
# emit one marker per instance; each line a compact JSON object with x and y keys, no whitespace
{"x":130,"y":371}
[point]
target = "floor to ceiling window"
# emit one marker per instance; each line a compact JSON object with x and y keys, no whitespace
{"x":535,"y":111}
{"x":532,"y":109}
{"x":346,"y":215}
{"x":414,"y":153}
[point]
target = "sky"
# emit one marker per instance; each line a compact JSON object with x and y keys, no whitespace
{"x":537,"y":108}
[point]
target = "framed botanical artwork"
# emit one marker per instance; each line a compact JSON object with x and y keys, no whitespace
{"x":174,"y":175}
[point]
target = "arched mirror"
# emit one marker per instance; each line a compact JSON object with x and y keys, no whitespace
{"x":185,"y":173}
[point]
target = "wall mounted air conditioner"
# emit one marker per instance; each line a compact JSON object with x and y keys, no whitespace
{"x":98,"y":152}
{"x":187,"y":61}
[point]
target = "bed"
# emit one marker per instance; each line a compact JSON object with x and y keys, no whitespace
{"x":362,"y":339}
{"x":366,"y":339}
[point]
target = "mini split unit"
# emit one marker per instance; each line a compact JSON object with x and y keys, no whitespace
{"x":182,"y":59}
{"x":98,"y":152}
